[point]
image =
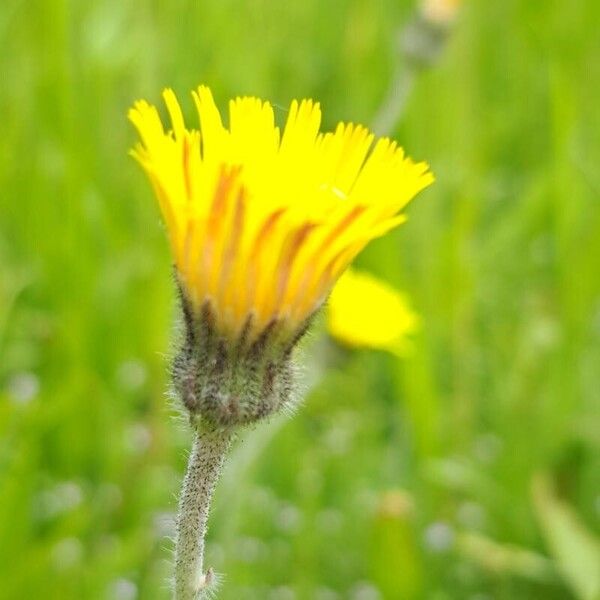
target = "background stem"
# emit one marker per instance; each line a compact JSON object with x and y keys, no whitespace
{"x":204,"y":467}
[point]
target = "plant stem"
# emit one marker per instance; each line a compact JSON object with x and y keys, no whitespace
{"x":204,"y":467}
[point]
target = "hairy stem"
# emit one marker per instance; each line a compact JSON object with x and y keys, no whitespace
{"x":204,"y":467}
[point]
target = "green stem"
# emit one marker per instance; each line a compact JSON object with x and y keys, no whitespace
{"x":204,"y":467}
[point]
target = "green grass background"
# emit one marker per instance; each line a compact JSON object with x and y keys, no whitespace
{"x":469,"y":470}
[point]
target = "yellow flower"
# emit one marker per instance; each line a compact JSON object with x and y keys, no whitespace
{"x":365,"y":312}
{"x":440,"y":11}
{"x":262,"y":223}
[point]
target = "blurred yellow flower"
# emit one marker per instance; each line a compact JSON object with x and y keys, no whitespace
{"x":262,"y":223}
{"x":364,"y":311}
{"x":440,"y":11}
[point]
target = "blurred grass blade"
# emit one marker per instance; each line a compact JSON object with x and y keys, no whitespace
{"x":500,"y":558}
{"x":575,"y":548}
{"x":395,"y":561}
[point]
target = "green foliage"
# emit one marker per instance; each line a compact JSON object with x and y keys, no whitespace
{"x":577,"y":550}
{"x":500,"y":257}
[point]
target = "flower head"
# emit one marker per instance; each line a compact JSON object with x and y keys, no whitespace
{"x":261,"y":223}
{"x":364,"y":312}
